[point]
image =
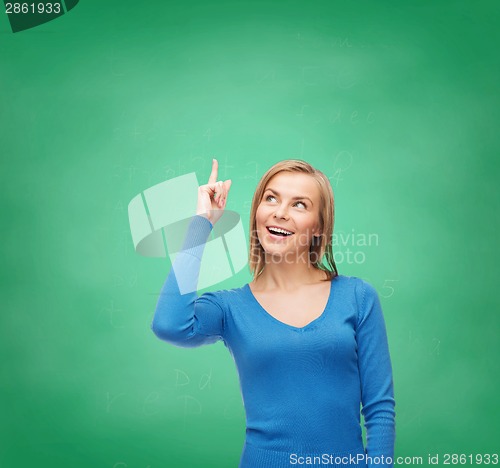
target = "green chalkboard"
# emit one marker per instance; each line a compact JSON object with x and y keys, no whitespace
{"x":397,"y":102}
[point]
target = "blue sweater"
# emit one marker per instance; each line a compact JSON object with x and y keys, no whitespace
{"x":302,"y":386}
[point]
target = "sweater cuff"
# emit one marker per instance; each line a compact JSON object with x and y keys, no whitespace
{"x":197,"y":233}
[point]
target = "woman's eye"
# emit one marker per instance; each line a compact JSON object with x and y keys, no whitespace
{"x":273,"y":198}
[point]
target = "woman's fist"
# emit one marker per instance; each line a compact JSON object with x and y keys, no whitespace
{"x":212,"y":197}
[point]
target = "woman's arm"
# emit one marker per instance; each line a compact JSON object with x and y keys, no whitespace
{"x":375,"y":369}
{"x":181,"y":317}
{"x":186,"y":319}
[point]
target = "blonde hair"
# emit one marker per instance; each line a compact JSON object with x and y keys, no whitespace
{"x":321,"y":251}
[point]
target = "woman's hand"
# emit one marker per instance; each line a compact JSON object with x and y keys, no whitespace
{"x":212,"y":197}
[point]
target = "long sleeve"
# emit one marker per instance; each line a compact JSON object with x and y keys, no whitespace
{"x":183,"y":318}
{"x":375,"y":369}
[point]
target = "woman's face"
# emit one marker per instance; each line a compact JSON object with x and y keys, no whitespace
{"x":291,"y":202}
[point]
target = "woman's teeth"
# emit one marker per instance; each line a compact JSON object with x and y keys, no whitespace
{"x":279,"y":232}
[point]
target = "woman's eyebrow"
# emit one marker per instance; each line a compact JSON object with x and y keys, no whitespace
{"x":294,"y":198}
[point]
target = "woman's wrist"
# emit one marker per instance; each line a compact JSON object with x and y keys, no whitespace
{"x":206,"y":216}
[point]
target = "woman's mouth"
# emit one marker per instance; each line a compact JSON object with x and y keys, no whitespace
{"x":278,"y":233}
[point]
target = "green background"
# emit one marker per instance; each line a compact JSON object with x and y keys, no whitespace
{"x":397,"y":102}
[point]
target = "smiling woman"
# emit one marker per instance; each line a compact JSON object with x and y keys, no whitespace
{"x":310,"y":345}
{"x":292,"y":193}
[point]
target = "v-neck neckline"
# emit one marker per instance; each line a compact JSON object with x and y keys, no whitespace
{"x":311,"y":324}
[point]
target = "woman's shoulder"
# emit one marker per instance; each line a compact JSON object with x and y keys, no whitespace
{"x":359,"y":287}
{"x":346,"y":281}
{"x":225,"y":296}
{"x":352,"y":285}
{"x":350,"y":279}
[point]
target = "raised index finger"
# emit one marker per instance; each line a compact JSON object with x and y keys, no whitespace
{"x":213,"y":175}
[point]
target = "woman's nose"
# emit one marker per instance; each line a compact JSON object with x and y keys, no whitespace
{"x":281,"y":212}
